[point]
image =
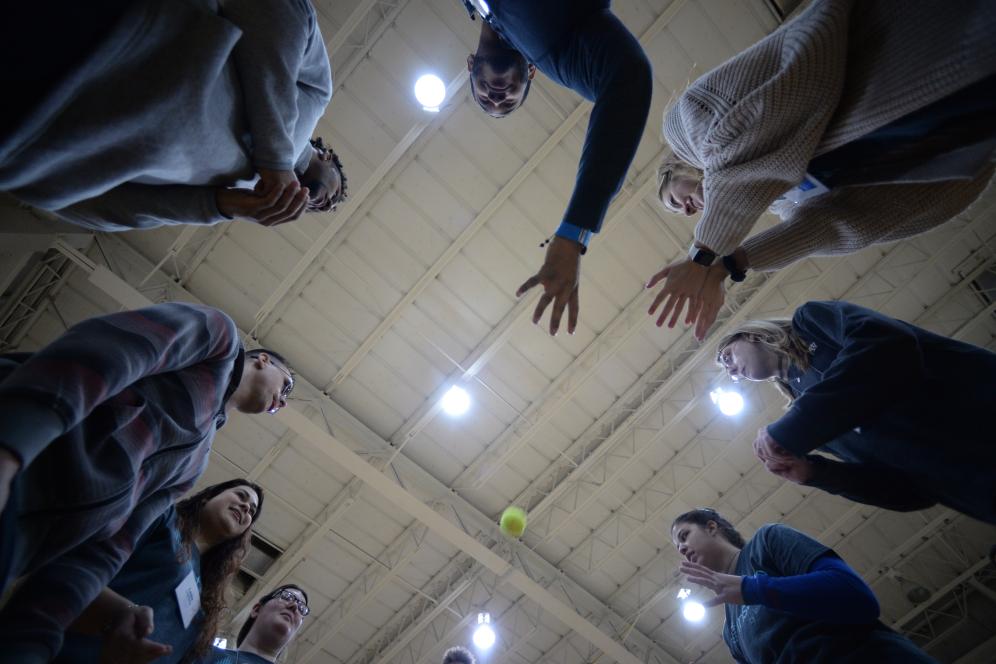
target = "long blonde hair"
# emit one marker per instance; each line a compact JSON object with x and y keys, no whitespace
{"x":777,"y":335}
{"x":670,"y":166}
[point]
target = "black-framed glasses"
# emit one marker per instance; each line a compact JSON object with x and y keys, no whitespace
{"x":288,"y":596}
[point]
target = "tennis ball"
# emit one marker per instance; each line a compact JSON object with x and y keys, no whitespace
{"x":513,"y":521}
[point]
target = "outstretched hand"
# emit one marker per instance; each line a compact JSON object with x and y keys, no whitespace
{"x":126,"y":642}
{"x":726,"y":586}
{"x":698,"y":286}
{"x":559,"y":275}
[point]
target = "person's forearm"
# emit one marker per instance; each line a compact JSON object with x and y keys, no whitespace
{"x":134,"y":206}
{"x":871,"y":485}
{"x":829,"y":592}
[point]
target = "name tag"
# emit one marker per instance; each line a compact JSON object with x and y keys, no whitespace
{"x":810,"y":187}
{"x":188,"y":598}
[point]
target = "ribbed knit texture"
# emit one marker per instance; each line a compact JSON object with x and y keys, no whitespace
{"x":837,"y":72}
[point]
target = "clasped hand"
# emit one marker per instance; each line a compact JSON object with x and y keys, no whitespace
{"x":277,"y":198}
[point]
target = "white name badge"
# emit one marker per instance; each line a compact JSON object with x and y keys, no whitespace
{"x":810,"y":187}
{"x":188,"y":598}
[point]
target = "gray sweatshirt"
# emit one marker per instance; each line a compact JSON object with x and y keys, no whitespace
{"x":181,"y":97}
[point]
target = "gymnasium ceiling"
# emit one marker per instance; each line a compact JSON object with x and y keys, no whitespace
{"x":383,"y":507}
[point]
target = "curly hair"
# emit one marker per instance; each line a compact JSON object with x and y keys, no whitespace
{"x":458,"y":655}
{"x":319,"y":145}
{"x":779,"y":336}
{"x":219,"y":564}
{"x":703,"y":516}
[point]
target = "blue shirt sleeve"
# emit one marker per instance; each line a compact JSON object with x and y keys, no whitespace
{"x":830,"y":591}
{"x":603,"y":62}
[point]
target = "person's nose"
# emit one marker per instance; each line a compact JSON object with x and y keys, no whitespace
{"x":682,"y":548}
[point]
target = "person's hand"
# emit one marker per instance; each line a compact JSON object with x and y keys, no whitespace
{"x":698,"y":286}
{"x":270,"y":210}
{"x":795,"y":470}
{"x":559,"y":277}
{"x":768,"y":450}
{"x":9,"y":466}
{"x":726,"y":586}
{"x":275,"y":183}
{"x":126,"y":643}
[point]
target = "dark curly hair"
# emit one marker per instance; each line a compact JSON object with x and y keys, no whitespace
{"x":319,"y":145}
{"x":219,"y":565}
{"x":703,"y":516}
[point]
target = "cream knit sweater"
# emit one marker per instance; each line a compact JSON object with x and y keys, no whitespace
{"x":840,"y":70}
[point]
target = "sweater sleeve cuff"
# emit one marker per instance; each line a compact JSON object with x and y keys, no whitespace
{"x":571,"y":232}
{"x":27,"y":427}
{"x":752,"y":589}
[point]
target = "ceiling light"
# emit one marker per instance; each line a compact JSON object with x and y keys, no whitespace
{"x":430,"y":91}
{"x":693,"y":611}
{"x":730,"y":403}
{"x":456,"y":401}
{"x":484,"y":636}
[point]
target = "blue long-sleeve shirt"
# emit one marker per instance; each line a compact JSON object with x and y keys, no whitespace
{"x":908,"y":405}
{"x":112,"y":422}
{"x":581,"y":45}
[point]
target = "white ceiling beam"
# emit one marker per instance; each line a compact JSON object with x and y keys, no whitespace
{"x":456,"y":537}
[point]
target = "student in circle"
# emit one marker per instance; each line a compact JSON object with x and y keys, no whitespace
{"x":271,"y":626}
{"x":787,"y":597}
{"x":197,"y":545}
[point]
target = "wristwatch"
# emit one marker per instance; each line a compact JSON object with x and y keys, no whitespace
{"x":736,"y":274}
{"x":701,"y":256}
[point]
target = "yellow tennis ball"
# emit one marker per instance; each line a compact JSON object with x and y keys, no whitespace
{"x":513,"y":521}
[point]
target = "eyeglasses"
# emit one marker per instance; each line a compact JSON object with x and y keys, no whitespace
{"x":288,"y":596}
{"x":289,"y":387}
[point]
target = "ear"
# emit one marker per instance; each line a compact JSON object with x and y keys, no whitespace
{"x":532,"y":71}
{"x":255,"y":610}
{"x":470,"y":62}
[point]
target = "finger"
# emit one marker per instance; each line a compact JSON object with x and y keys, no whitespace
{"x":656,"y":279}
{"x":285,"y":199}
{"x":541,"y":306}
{"x":664,"y":292}
{"x":148,"y":651}
{"x":295,"y":211}
{"x":144,"y":621}
{"x":715,"y":601}
{"x":559,"y":304}
{"x":530,"y":283}
{"x":677,"y":309}
{"x":705,"y":320}
{"x":573,"y":308}
{"x":694,"y":309}
{"x":697,"y":567}
{"x":666,"y":309}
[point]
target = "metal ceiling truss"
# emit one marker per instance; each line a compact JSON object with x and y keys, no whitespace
{"x":33,"y":296}
{"x":424,"y":486}
{"x":299,"y":276}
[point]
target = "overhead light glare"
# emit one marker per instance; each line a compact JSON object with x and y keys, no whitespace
{"x":430,"y":91}
{"x":484,"y":635}
{"x":693,"y":611}
{"x":730,"y":402}
{"x":456,"y":401}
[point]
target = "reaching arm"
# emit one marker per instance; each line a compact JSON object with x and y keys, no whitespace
{"x":849,"y":219}
{"x":280,"y":57}
{"x":879,"y":361}
{"x":130,"y":206}
{"x":605,"y":64}
{"x":830,"y":591}
{"x":880,"y":486}
{"x":57,"y":387}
